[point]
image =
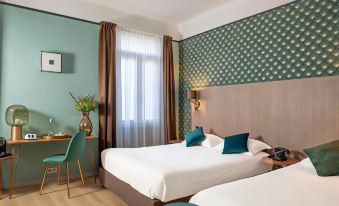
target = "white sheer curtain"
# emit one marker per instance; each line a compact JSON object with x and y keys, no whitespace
{"x":139,"y":79}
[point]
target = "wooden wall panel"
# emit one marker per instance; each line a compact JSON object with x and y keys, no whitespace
{"x":293,"y":113}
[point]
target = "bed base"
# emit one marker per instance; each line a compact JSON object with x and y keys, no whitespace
{"x":128,"y":194}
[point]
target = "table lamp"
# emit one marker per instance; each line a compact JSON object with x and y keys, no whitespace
{"x":16,"y":117}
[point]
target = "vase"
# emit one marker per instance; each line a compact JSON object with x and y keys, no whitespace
{"x":86,"y":124}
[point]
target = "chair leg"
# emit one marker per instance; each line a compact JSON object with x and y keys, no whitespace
{"x":43,"y":179}
{"x":58,"y":174}
{"x":68,"y":189}
{"x":12,"y":180}
{"x":82,"y":177}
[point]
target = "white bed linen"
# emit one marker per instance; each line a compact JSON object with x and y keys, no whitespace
{"x":296,"y":185}
{"x":172,"y":171}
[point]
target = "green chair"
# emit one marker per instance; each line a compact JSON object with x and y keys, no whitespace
{"x":74,"y":152}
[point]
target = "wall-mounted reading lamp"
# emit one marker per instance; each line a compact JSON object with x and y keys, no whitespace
{"x":193,"y":98}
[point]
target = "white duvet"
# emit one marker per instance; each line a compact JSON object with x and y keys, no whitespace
{"x":173,"y":171}
{"x":296,"y":185}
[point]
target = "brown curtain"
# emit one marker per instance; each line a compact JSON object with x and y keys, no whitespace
{"x":169,"y":91}
{"x":107,"y":93}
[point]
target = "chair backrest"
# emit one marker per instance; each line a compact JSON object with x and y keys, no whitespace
{"x":76,"y":147}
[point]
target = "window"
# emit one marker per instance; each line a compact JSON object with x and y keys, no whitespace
{"x":139,"y":87}
{"x":140,"y":72}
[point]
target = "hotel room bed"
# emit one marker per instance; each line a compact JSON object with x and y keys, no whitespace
{"x":295,"y":185}
{"x":171,"y":172}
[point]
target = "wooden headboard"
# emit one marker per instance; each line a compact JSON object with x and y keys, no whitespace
{"x":295,"y":114}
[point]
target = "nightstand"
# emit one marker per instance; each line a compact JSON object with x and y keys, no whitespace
{"x":279,"y":164}
{"x":175,"y":141}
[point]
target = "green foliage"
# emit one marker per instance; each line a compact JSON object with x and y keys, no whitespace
{"x":85,"y":103}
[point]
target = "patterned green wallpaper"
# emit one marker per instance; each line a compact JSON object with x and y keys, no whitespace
{"x":298,"y":40}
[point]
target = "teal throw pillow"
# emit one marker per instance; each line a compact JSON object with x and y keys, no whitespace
{"x":325,"y":158}
{"x":236,"y":144}
{"x":195,"y":137}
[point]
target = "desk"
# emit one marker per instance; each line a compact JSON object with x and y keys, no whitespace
{"x":16,"y":154}
{"x":11,"y":172}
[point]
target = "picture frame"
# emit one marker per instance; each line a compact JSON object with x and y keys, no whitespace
{"x":51,"y":62}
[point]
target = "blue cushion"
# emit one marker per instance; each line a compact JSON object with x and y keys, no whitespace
{"x":235,"y":144}
{"x":195,"y":137}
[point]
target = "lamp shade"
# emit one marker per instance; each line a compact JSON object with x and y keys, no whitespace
{"x":191,"y":94}
{"x":16,"y":115}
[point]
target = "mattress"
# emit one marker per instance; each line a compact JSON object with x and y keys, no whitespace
{"x":295,"y":185}
{"x":169,"y":172}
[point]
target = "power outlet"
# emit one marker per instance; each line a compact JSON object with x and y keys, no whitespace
{"x":52,"y":170}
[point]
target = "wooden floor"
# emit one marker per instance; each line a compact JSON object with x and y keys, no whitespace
{"x":56,"y":195}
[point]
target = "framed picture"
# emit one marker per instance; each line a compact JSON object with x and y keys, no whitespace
{"x":50,"y":62}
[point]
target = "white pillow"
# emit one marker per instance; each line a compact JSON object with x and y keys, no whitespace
{"x":219,"y":146}
{"x":256,"y":146}
{"x":307,"y":163}
{"x":211,"y":140}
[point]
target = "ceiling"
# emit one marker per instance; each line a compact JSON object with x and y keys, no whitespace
{"x":174,"y":11}
{"x":177,"y":18}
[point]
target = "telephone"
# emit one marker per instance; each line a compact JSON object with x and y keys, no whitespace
{"x":280,"y":154}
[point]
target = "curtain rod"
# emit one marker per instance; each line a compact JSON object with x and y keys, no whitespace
{"x":55,"y":14}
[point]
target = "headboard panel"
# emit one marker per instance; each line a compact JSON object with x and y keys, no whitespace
{"x":294,"y":113}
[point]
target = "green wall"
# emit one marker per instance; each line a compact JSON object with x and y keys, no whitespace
{"x":24,"y":35}
{"x":298,"y":40}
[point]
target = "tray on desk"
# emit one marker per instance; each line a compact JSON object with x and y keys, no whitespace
{"x":56,"y":136}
